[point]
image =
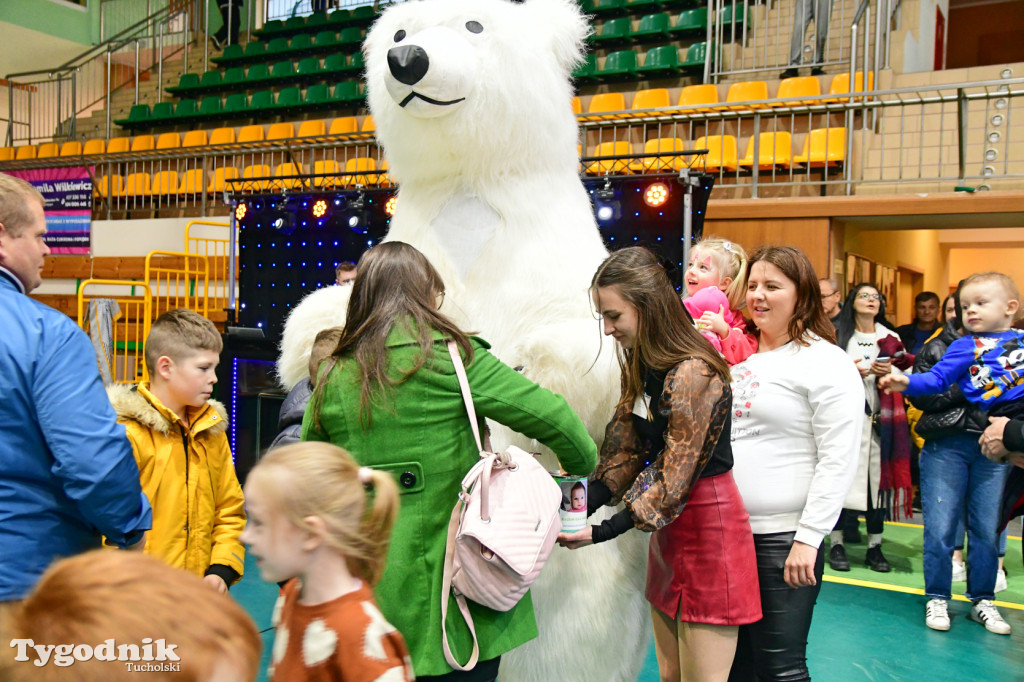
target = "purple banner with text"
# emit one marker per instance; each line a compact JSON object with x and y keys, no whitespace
{"x":68,"y":194}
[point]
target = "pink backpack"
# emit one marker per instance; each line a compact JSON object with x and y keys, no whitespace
{"x":502,"y":529}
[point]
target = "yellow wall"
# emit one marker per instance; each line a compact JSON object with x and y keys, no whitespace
{"x":963,"y":262}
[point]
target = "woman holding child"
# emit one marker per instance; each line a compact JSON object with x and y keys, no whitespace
{"x":389,"y":395}
{"x":666,"y":456}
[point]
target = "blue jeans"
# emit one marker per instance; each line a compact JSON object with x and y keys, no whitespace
{"x":961,"y":530}
{"x":954,"y":473}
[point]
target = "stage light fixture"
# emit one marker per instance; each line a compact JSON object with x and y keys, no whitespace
{"x":240,"y":211}
{"x":605,"y":192}
{"x":656,"y":194}
{"x":389,"y":207}
{"x":359,"y":202}
{"x":319,"y":208}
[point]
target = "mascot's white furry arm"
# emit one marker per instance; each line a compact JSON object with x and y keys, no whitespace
{"x":471,"y":100}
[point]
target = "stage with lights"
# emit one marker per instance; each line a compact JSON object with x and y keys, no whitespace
{"x":290,"y":244}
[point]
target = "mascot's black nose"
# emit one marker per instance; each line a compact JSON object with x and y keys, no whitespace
{"x":408,"y":63}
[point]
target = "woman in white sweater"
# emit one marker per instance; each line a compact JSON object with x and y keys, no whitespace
{"x":859,"y":327}
{"x":797,"y":406}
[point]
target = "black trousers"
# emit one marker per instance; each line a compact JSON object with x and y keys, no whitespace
{"x":875,"y":517}
{"x":775,"y":647}
{"x":231,"y":15}
{"x":485,"y":671}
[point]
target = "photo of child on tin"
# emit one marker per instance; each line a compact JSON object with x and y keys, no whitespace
{"x":577,"y":498}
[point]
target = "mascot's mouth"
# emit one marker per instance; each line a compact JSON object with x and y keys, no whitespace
{"x":428,"y":100}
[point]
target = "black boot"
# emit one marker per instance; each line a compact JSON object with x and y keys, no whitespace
{"x":837,"y":558}
{"x":876,"y":560}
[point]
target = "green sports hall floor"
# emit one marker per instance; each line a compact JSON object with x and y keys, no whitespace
{"x":867,"y":626}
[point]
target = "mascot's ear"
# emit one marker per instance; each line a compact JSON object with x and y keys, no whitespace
{"x":564,"y":26}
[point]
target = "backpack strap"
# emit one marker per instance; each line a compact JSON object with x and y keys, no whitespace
{"x":467,"y":397}
{"x":446,"y":590}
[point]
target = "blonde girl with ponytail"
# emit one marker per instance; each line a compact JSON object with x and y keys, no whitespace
{"x":322,"y":523}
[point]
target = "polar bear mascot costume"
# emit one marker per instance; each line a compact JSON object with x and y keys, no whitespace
{"x":471,"y":100}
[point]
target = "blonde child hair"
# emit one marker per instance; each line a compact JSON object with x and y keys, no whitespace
{"x":357,"y":505}
{"x":731,"y":260}
{"x":1005,"y":281}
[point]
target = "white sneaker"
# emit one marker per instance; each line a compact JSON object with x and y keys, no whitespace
{"x":959,"y":571}
{"x":1000,"y":580}
{"x":936,"y":614}
{"x":986,"y":613}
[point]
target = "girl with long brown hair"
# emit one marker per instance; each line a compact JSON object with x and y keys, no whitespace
{"x":666,"y":456}
{"x":389,"y":395}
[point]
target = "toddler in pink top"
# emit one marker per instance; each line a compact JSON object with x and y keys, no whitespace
{"x":716,"y":279}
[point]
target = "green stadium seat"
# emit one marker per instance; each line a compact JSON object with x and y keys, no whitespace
{"x":696,"y":55}
{"x":652,"y":26}
{"x":661,"y":61}
{"x":262,"y":101}
{"x":363,"y":15}
{"x":346,"y":93}
{"x":235,"y":104}
{"x":211,"y":80}
{"x":186,"y":109}
{"x":727,"y":15}
{"x":355,"y":63}
{"x":232,"y":53}
{"x":257,"y":73}
{"x":308,"y":69}
{"x":613,"y":32}
{"x":295,"y":24}
{"x":339,"y":17}
{"x":315,"y":21}
{"x":257,"y":50}
{"x":289,"y":99}
{"x":300,"y":43}
{"x":187,"y":81}
{"x":638,"y":5}
{"x":210,"y":107}
{"x":609,"y":7}
{"x":325,"y":40}
{"x":274,"y":47}
{"x":317,"y":95}
{"x":587,"y":71}
{"x":282,"y":71}
{"x":691,"y":22}
{"x":587,"y":6}
{"x":350,"y":36}
{"x":619,"y":65}
{"x":139,"y":113}
{"x":234,"y":77}
{"x":271,"y":27}
{"x":162,"y":111}
{"x":335,"y":63}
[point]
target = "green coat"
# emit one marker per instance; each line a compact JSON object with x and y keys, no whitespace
{"x":422,"y":436}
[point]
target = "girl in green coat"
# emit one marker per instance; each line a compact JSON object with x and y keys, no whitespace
{"x":389,"y":395}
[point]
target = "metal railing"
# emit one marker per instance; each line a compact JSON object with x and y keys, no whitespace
{"x":750,"y":38}
{"x":126,"y":360}
{"x":285,"y":9}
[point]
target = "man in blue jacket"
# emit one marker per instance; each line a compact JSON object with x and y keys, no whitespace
{"x":67,"y":474}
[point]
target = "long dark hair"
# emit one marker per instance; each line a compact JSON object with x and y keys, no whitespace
{"x":808,"y":313}
{"x":665,"y":335}
{"x":395,"y":284}
{"x":846,"y":322}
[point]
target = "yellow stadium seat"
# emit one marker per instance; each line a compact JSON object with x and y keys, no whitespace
{"x":774,"y":149}
{"x":165,"y":183}
{"x":219,"y":181}
{"x":280,"y":131}
{"x":383,"y":178}
{"x":192,"y":181}
{"x":808,"y":87}
{"x":222,"y":136}
{"x":258,"y":178}
{"x":169,"y":141}
{"x":660,"y":163}
{"x":312,"y":129}
{"x":48,"y":150}
{"x":620,"y":148}
{"x":95,"y":147}
{"x":697,"y":96}
{"x":823,"y":147}
{"x":325,"y":173}
{"x":118,"y":145}
{"x":577,"y":106}
{"x":6,"y":153}
{"x":360,"y":164}
{"x":25,"y":151}
{"x":606,"y":101}
{"x":195,"y":138}
{"x":72,"y":148}
{"x":344,"y":126}
{"x":747,"y":91}
{"x":107,"y":186}
{"x":841,"y":84}
{"x":721,"y":152}
{"x":655,"y":98}
{"x":368,"y":125}
{"x":137,"y":185}
{"x":143,"y":143}
{"x":285,"y":169}
{"x":251,"y":134}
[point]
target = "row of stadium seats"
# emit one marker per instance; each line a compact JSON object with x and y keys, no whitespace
{"x":313,"y":23}
{"x":621,"y":31}
{"x":612,"y":8}
{"x":308,"y":70}
{"x":300,"y":45}
{"x":822,"y":147}
{"x":658,"y":62}
{"x":258,"y":177}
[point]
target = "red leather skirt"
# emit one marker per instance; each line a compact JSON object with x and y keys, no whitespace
{"x":702,"y":567}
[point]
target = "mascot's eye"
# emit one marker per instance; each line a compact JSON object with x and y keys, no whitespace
{"x":474,"y":27}
{"x":400,"y":36}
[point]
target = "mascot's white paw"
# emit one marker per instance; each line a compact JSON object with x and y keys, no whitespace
{"x":319,"y":310}
{"x":471,"y":99}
